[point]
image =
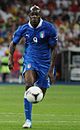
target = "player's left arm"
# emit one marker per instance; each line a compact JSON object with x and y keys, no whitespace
{"x":53,"y":45}
{"x":52,"y":64}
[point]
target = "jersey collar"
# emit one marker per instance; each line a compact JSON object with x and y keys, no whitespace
{"x":40,"y":23}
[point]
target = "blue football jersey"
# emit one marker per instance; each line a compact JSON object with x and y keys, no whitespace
{"x":37,"y":41}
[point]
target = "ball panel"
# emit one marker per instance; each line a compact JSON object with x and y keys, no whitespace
{"x":34,"y":94}
{"x":40,"y":97}
{"x":30,"y":97}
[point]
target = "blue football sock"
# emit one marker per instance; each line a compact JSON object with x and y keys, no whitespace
{"x":27,"y":109}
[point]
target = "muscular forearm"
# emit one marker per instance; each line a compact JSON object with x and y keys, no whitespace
{"x":11,"y":52}
{"x":11,"y":48}
{"x":52,"y":65}
{"x":53,"y":57}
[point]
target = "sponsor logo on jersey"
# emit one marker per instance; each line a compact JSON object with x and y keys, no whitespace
{"x":27,"y":35}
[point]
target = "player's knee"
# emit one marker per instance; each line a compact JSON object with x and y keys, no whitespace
{"x":28,"y":84}
{"x":29,"y":79}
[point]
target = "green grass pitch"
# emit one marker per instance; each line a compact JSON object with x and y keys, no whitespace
{"x":60,"y":109}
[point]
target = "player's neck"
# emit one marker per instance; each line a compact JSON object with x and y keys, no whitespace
{"x":35,"y":25}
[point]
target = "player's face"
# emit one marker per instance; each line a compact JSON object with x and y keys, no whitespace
{"x":34,"y":18}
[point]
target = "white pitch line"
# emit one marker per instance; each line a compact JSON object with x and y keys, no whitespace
{"x":10,"y":113}
{"x":41,"y":121}
{"x":38,"y":114}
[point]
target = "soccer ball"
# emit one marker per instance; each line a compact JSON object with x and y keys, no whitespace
{"x":34,"y":94}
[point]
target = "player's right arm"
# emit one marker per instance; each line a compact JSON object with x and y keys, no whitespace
{"x":12,"y":47}
{"x":15,"y":40}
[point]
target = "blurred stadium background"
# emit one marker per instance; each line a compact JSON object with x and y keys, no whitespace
{"x":65,"y":14}
{"x":60,"y":110}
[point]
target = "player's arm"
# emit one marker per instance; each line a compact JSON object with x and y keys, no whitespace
{"x":52,"y":65}
{"x":53,"y":45}
{"x":15,"y":40}
{"x":12,"y":47}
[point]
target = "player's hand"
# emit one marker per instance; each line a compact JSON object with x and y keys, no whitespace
{"x":51,"y":76}
{"x":10,"y":62}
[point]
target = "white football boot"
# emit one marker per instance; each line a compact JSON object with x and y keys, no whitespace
{"x":27,"y":124}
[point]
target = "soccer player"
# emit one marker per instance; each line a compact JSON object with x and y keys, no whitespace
{"x":39,"y":55}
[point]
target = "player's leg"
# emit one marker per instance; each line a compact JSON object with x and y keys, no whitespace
{"x":42,"y":82}
{"x":30,"y":77}
{"x":46,"y":83}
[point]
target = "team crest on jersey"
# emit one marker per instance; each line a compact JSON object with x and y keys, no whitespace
{"x":42,"y":34}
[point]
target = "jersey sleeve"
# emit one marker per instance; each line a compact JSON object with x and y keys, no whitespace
{"x":53,"y":36}
{"x":17,"y":35}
